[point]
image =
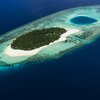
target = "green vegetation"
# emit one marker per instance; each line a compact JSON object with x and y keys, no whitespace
{"x":37,"y":38}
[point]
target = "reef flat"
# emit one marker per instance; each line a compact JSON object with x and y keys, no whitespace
{"x":79,"y":32}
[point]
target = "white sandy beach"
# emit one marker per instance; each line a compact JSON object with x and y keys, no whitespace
{"x":18,"y":53}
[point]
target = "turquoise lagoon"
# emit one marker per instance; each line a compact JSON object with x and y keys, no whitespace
{"x":88,"y":27}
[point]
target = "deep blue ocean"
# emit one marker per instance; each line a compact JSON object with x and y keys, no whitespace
{"x":75,"y":76}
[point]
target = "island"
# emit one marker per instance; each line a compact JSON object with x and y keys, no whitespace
{"x":37,"y":38}
{"x":50,"y":37}
{"x":32,"y":43}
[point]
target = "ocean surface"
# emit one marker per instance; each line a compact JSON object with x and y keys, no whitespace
{"x":75,"y":76}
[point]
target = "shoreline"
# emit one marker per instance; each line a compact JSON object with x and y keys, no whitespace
{"x":20,"y":53}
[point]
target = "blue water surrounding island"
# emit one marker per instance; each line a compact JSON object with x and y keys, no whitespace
{"x":74,"y":76}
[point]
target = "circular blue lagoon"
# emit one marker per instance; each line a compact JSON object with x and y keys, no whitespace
{"x":83,"y":20}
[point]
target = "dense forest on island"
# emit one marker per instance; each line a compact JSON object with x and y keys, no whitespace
{"x":37,"y":38}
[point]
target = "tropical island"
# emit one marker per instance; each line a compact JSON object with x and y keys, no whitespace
{"x":37,"y":38}
{"x":33,"y":42}
{"x":50,"y":37}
